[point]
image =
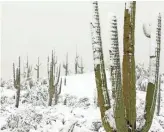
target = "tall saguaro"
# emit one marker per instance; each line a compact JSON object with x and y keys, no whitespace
{"x":129,"y":65}
{"x":100,"y":75}
{"x":16,"y":79}
{"x":37,"y":69}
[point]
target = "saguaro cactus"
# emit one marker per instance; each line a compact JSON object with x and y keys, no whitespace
{"x":54,"y":88}
{"x":81,"y":67}
{"x":129,"y":81}
{"x":125,"y":96}
{"x":65,"y":66}
{"x":16,"y":79}
{"x":76,"y":63}
{"x":100,"y":75}
{"x":37,"y":69}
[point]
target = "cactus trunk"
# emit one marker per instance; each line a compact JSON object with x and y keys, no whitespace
{"x":17,"y":83}
{"x":100,"y":75}
{"x":129,"y":66}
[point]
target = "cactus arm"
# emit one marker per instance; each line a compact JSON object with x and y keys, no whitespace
{"x":153,"y":78}
{"x":118,"y":107}
{"x":99,"y":69}
{"x":129,"y":65}
{"x":149,"y":106}
{"x":58,"y":77}
{"x":14,"y":75}
{"x":59,"y":89}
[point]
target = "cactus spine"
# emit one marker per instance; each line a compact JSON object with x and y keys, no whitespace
{"x":37,"y":69}
{"x":100,"y":75}
{"x":16,"y":79}
{"x":54,"y":88}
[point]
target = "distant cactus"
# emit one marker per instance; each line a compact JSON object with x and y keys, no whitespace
{"x":16,"y":79}
{"x":65,"y":66}
{"x":29,"y":72}
{"x":81,"y":67}
{"x":37,"y":69}
{"x":76,"y":64}
{"x":54,"y":86}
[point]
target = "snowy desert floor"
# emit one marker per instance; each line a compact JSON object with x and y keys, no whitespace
{"x":75,"y":111}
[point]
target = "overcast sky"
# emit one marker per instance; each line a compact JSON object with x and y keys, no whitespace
{"x":35,"y":28}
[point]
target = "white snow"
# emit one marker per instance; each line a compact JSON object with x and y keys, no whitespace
{"x":79,"y":113}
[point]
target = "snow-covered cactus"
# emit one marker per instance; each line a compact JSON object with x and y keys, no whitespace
{"x":16,"y":80}
{"x":128,"y":71}
{"x":65,"y":66}
{"x":125,"y":96}
{"x":37,"y":69}
{"x":114,"y":51}
{"x":147,"y":30}
{"x":76,"y":63}
{"x":99,"y":68}
{"x":54,"y":86}
{"x":81,"y":67}
{"x":153,"y":78}
{"x":48,"y":70}
{"x":159,"y":97}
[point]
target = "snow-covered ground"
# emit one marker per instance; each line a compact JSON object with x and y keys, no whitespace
{"x":75,"y":112}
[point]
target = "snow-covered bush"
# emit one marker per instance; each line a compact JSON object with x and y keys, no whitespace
{"x":37,"y":95}
{"x":23,"y":121}
{"x":141,"y":77}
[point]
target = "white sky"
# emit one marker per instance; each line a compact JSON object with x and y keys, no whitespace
{"x":35,"y":28}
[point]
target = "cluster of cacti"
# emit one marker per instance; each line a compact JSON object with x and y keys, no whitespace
{"x":124,"y":95}
{"x":16,"y":80}
{"x":54,"y":79}
{"x":37,"y":69}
